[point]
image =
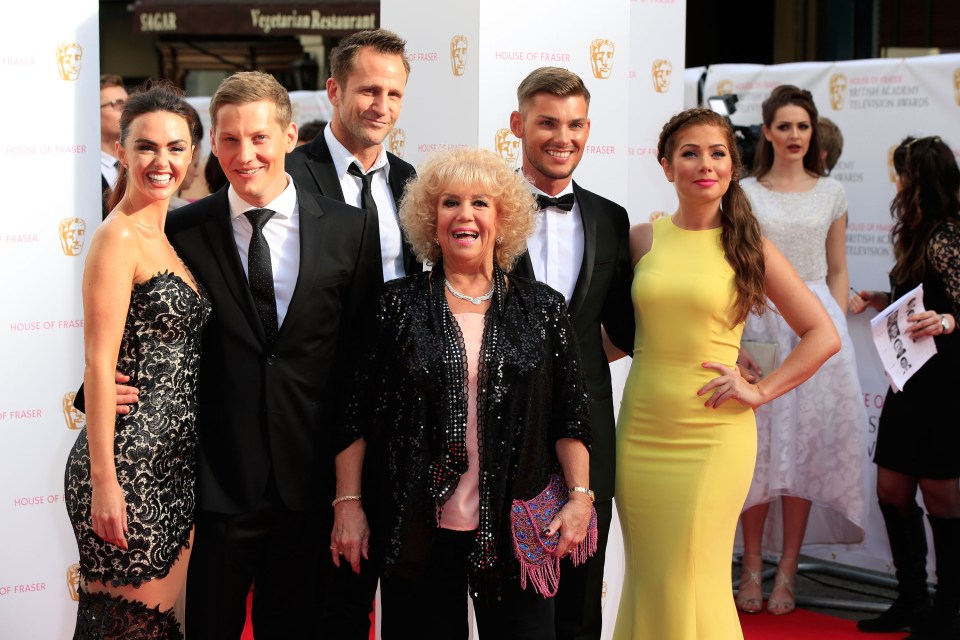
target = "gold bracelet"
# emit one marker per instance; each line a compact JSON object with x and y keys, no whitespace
{"x":584,"y":490}
{"x":340,"y":499}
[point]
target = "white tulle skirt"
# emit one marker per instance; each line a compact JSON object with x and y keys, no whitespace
{"x":810,"y":441}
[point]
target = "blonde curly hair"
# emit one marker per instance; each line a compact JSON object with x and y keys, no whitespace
{"x":481,"y":169}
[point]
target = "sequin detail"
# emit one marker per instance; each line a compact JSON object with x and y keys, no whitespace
{"x":409,"y":402}
{"x":798,"y":222}
{"x":533,"y":549}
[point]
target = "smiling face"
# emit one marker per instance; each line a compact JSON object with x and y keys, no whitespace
{"x":156,"y":154}
{"x":252,"y":146}
{"x":466,"y":228}
{"x":700,"y":166}
{"x":367,"y":102}
{"x":553,"y":131}
{"x":789,"y":132}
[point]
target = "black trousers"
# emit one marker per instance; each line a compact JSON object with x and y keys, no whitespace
{"x":579,"y":598}
{"x":283,"y":553}
{"x":434,"y":607}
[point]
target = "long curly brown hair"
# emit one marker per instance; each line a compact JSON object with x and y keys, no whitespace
{"x":929,"y":196}
{"x":740,"y":231}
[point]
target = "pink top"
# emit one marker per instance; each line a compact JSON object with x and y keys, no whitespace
{"x":462,"y":511}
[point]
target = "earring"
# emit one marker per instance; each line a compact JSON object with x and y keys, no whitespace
{"x":499,"y":239}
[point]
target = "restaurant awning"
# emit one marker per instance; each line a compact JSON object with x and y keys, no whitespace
{"x":254,"y":18}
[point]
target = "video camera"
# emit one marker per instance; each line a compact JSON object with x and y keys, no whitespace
{"x":746,"y":136}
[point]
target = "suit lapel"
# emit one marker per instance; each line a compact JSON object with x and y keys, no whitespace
{"x":323,"y":170}
{"x":223,"y":245}
{"x":310,"y":255}
{"x":589,"y":250}
{"x":524,"y":267}
{"x":399,"y":175}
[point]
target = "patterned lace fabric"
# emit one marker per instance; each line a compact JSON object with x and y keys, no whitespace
{"x":943,"y":255}
{"x":797,"y":223}
{"x":155,"y":443}
{"x":101,"y":617}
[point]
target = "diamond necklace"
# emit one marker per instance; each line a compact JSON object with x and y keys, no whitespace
{"x":463,"y":296}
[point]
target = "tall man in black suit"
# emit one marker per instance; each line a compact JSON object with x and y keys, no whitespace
{"x":349,"y":162}
{"x":369,"y":72}
{"x":580,"y":247}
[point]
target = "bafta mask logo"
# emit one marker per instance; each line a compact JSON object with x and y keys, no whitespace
{"x":725,"y":88}
{"x":68,"y":60}
{"x":73,"y":416}
{"x":661,"y":72}
{"x":656,"y":215}
{"x":601,"y":58}
{"x":73,"y":581}
{"x":956,"y":85}
{"x":507,"y":145}
{"x":838,"y":91}
{"x":458,"y":54}
{"x":72,"y":231}
{"x":890,"y":169}
{"x":396,"y":141}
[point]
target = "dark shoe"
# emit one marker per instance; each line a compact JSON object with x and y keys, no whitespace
{"x":903,"y":614}
{"x":908,"y":544}
{"x":942,"y":622}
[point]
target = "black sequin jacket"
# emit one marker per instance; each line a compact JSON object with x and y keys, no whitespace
{"x":409,"y":403}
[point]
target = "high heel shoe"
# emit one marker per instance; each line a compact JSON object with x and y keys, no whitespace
{"x":784,"y":583}
{"x":750,"y":592}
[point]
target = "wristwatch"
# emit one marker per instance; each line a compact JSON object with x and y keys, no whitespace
{"x":944,"y":323}
{"x":588,"y":492}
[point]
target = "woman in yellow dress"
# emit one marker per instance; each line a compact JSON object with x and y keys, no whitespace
{"x":686,"y":432}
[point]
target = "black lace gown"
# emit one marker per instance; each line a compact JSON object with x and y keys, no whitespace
{"x":155,"y":449}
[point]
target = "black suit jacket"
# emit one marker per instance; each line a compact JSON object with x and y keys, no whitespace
{"x":311,"y":167}
{"x":269,"y":408}
{"x":601,"y":297}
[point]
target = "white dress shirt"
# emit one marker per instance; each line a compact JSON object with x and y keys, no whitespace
{"x":391,"y":240}
{"x":282,"y":232}
{"x":556,"y":245}
{"x":108,"y":168}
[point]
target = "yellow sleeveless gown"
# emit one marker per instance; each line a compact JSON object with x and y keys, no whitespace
{"x":683,"y":470}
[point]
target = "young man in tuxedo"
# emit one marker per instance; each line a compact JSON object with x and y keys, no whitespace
{"x":580,"y":247}
{"x":348,"y":160}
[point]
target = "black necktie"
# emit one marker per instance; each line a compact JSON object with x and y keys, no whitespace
{"x":564,"y":202}
{"x":260,"y":273}
{"x":366,"y":193}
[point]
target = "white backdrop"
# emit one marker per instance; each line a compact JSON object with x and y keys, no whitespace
{"x":875,"y":103}
{"x":50,"y":162}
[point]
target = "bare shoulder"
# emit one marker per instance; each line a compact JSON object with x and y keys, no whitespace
{"x":641,"y":241}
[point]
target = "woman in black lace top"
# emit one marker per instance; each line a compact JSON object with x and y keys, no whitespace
{"x":917,"y":441}
{"x":468,"y":398}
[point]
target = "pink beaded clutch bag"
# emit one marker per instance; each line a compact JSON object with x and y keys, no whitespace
{"x":533,"y":549}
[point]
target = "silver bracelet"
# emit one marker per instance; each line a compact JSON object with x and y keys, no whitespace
{"x":340,"y":499}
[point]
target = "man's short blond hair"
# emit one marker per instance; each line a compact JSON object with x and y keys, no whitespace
{"x":245,"y":87}
{"x":553,"y":80}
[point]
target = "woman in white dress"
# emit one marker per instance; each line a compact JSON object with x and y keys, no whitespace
{"x":810,"y":458}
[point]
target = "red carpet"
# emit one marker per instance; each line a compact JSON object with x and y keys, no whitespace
{"x":805,"y":625}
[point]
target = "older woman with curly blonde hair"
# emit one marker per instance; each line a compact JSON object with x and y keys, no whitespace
{"x":468,"y":403}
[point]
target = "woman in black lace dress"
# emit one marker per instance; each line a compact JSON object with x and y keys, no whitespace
{"x":917,"y":441}
{"x":130,"y":479}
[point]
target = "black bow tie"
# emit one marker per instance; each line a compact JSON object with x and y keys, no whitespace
{"x":564,"y":202}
